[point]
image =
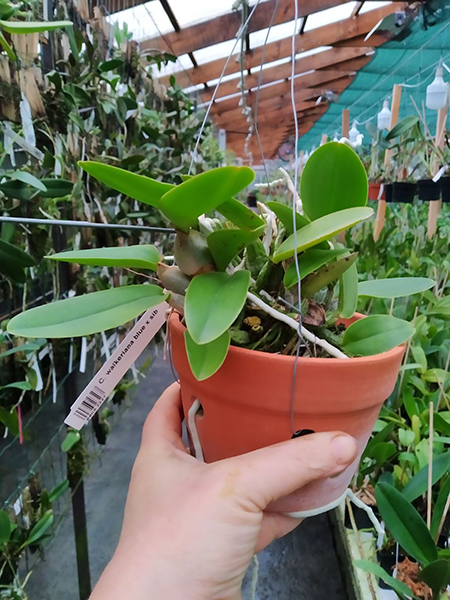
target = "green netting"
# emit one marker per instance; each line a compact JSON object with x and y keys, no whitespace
{"x":412,"y":61}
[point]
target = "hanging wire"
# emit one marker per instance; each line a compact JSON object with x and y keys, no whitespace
{"x":294,"y":220}
{"x":263,"y":59}
{"x":225,"y":67}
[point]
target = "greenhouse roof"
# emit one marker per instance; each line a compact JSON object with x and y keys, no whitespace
{"x":334,"y":39}
{"x":410,"y":62}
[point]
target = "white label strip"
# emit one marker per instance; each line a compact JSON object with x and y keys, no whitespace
{"x":83,"y":354}
{"x":103,"y":383}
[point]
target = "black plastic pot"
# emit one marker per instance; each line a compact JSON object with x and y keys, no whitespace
{"x":386,"y":559}
{"x":388,"y":192}
{"x":361,"y":519}
{"x":445,"y":188}
{"x":428,"y":191}
{"x":403,"y":192}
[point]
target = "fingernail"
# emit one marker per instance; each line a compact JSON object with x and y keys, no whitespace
{"x":344,"y":448}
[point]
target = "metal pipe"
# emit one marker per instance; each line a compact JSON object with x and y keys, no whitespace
{"x":66,"y":223}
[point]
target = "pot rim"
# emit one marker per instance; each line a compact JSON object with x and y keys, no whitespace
{"x":360,"y":360}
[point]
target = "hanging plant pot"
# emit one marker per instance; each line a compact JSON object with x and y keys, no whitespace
{"x":375,"y":192}
{"x":403,"y":192}
{"x":445,"y":188}
{"x":388,"y":192}
{"x":246,"y":406}
{"x":428,"y":190}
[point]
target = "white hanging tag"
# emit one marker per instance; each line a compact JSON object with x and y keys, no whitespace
{"x":380,"y":193}
{"x":43,"y":353}
{"x":27,"y":121}
{"x":8,"y":143}
{"x":105,"y":348}
{"x":82,"y":367}
{"x":36,"y":369}
{"x":54,"y":384}
{"x":439,"y":174}
{"x":103,"y":383}
{"x":70,"y":357}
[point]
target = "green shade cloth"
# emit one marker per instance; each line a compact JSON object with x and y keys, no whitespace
{"x":412,"y":60}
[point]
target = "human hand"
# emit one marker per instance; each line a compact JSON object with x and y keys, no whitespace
{"x":190,"y":529}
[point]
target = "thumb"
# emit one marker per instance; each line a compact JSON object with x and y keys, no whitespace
{"x":276,"y":471}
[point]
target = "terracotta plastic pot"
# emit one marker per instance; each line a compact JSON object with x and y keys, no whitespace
{"x":246,"y":406}
{"x":374,"y":191}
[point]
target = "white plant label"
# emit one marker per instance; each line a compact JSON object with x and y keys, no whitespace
{"x":103,"y":383}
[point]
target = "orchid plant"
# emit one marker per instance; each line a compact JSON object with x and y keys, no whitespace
{"x":255,"y":281}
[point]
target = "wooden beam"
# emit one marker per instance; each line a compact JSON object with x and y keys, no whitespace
{"x":237,"y":121}
{"x":225,"y":27}
{"x":354,"y":64}
{"x":327,"y":35}
{"x":330,"y":59}
{"x":283,"y":88}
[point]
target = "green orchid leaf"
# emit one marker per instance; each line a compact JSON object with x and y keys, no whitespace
{"x":13,"y":261}
{"x":239,"y":214}
{"x":58,"y":491}
{"x":437,"y":576}
{"x":29,"y":179}
{"x":38,"y":531}
{"x":17,"y":189}
{"x":284,"y":214}
{"x":206,"y":359}
{"x":420,"y":357}
{"x":406,"y":437}
{"x":72,"y":438}
{"x":18,"y":385}
{"x":27,"y":348}
{"x":322,"y":229}
{"x":144,"y":189}
{"x":134,"y":257}
{"x":7,"y":48}
{"x":376,"y":334}
{"x":400,"y":588}
{"x":185,"y":203}
{"x":33,"y":26}
{"x":439,"y":507}
{"x":110,"y":65}
{"x":405,"y":524}
{"x":334,"y":179}
{"x":396,"y":287}
{"x":10,"y":420}
{"x":5,"y":527}
{"x":56,"y":188}
{"x":348,"y":292}
{"x":225,"y":244}
{"x":84,"y":315}
{"x":441,"y":309}
{"x":327,"y":274}
{"x":382,"y":452}
{"x":308,"y":262}
{"x":440,"y":424}
{"x":213,"y":303}
{"x":436,"y":376}
{"x":404,"y":126}
{"x":381,"y":436}
{"x":418,"y":484}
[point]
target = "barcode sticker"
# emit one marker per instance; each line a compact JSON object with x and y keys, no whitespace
{"x":125,"y":355}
